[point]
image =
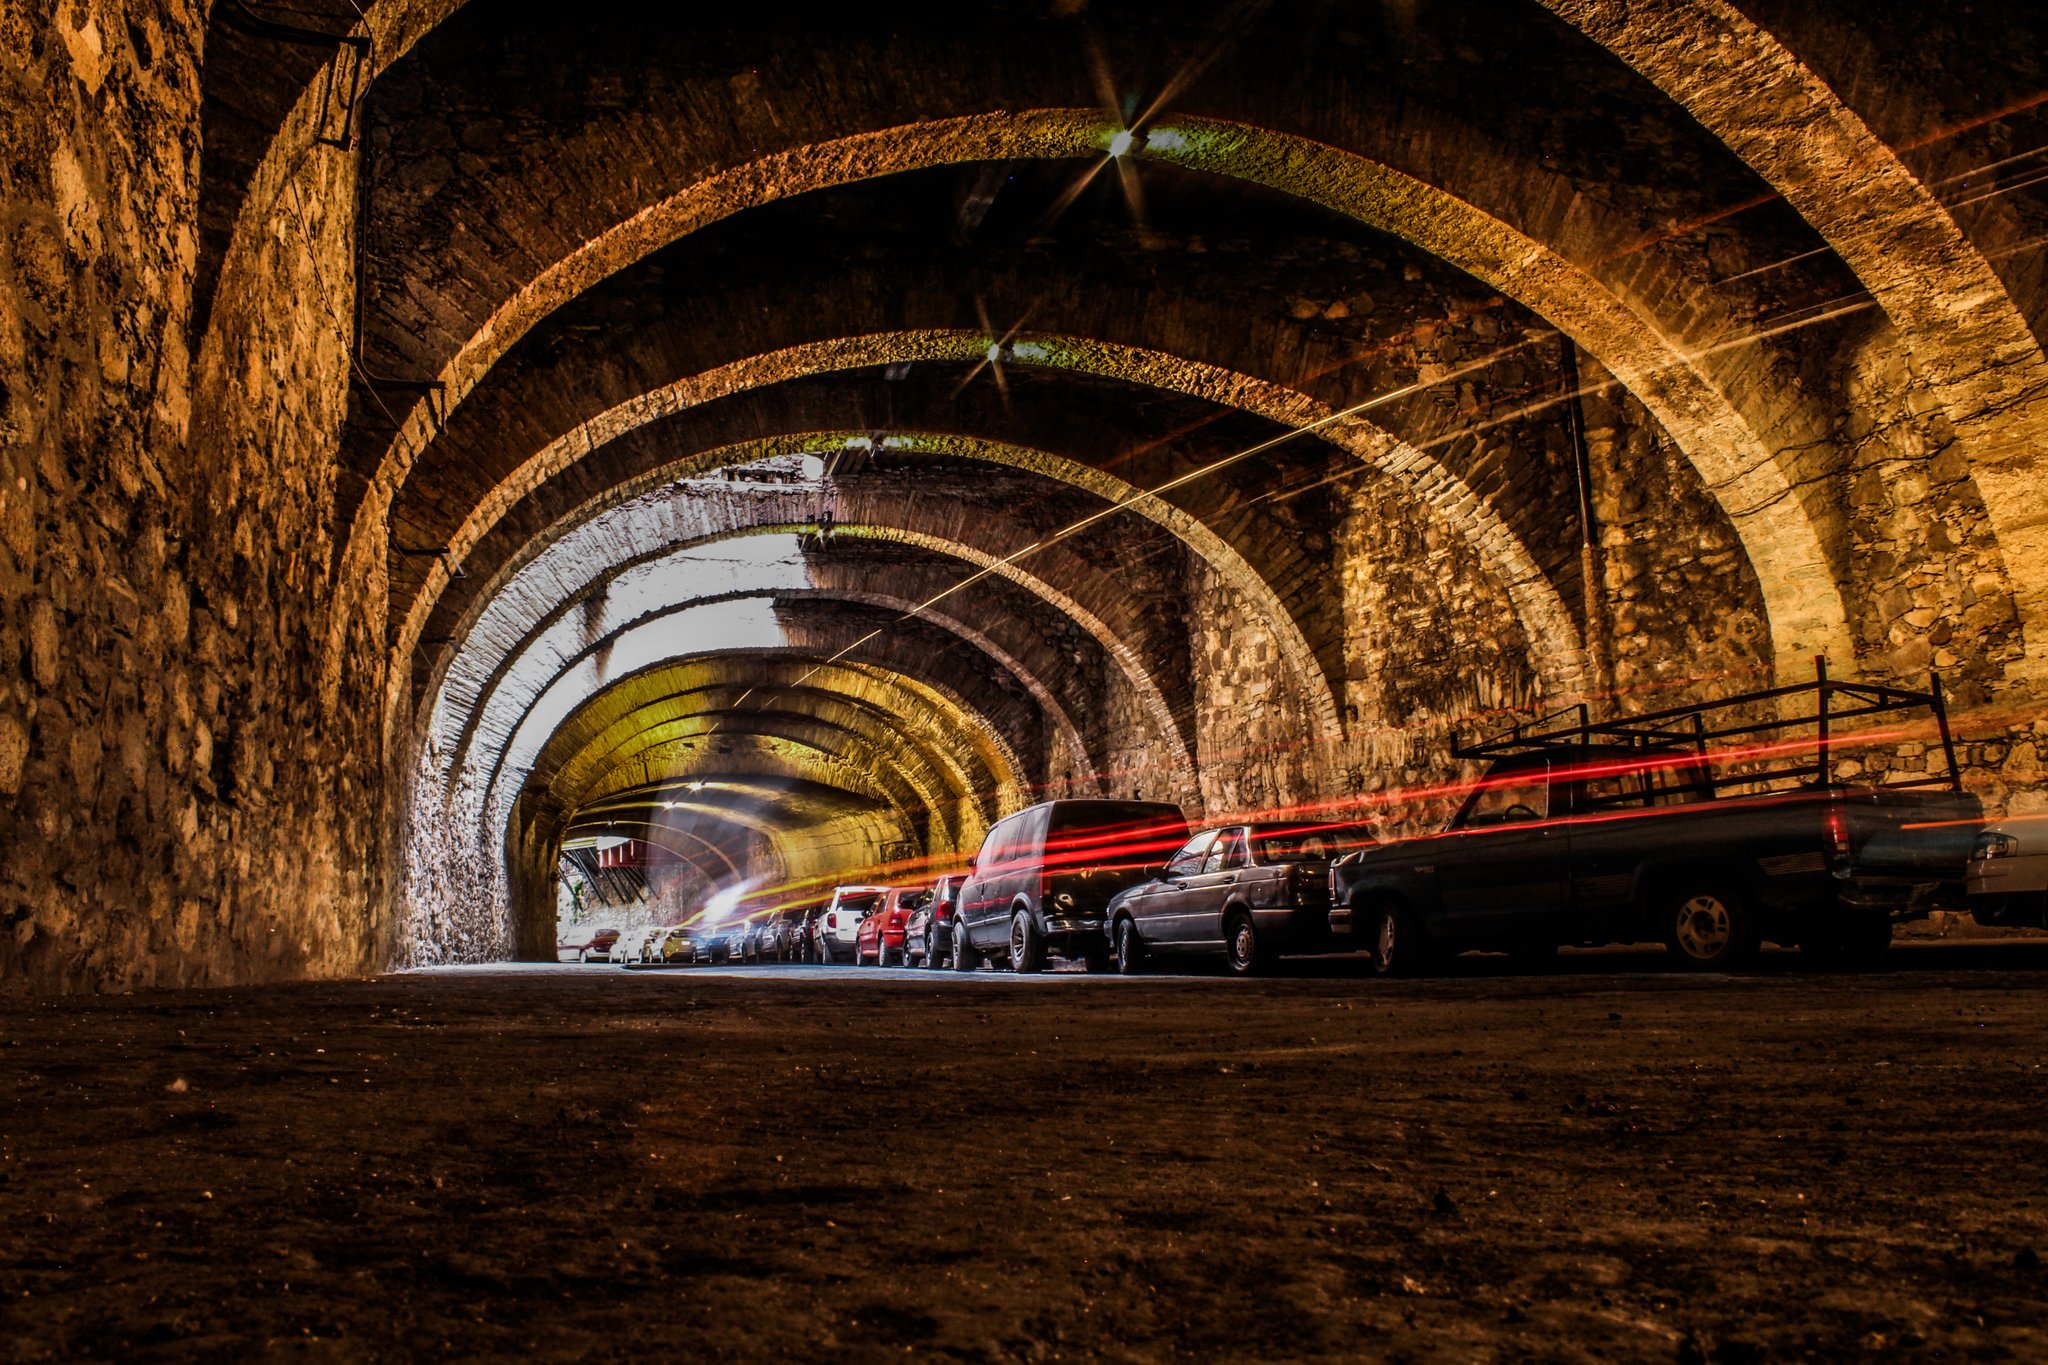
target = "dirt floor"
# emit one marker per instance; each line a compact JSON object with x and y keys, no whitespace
{"x":1611,"y":1161}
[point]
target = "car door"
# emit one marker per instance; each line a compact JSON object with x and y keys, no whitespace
{"x":1205,"y":892}
{"x":1504,"y":870}
{"x":983,"y":889}
{"x":1156,"y":908}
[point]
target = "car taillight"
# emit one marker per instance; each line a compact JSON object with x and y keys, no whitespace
{"x":1838,"y":833}
{"x":832,"y":921}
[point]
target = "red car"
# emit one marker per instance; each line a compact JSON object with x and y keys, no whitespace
{"x":880,"y":939}
{"x":598,"y":945}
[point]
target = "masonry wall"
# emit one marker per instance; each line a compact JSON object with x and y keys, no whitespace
{"x":175,"y":806}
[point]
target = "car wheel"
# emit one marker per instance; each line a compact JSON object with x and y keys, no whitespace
{"x":1401,"y":947}
{"x":1709,"y":928}
{"x":1241,"y":945}
{"x":1027,"y":948}
{"x":1848,"y":947}
{"x":582,"y":956}
{"x":1130,"y":949}
{"x":963,"y":950}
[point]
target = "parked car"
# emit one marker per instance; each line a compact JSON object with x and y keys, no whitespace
{"x":595,"y":947}
{"x":1248,"y":892}
{"x":2008,"y":875}
{"x":715,"y":943}
{"x":753,"y":939}
{"x":786,"y":936}
{"x":1629,"y":830}
{"x":880,"y":938}
{"x":1043,"y":878}
{"x":928,"y":934}
{"x":636,"y":947}
{"x":836,"y":933}
{"x":675,"y":945}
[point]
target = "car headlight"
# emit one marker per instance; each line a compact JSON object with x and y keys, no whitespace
{"x":1992,"y":845}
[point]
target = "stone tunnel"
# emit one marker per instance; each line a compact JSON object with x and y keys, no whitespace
{"x":433,"y":433}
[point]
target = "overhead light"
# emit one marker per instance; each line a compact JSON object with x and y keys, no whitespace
{"x":1121,"y":143}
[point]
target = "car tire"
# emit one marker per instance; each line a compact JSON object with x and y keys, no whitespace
{"x":1130,"y":949}
{"x":1401,"y":946}
{"x":963,"y":950}
{"x":1848,"y":947}
{"x":1709,"y":928}
{"x":1027,"y":945}
{"x":1242,"y":953}
{"x":582,"y":956}
{"x":928,"y":961}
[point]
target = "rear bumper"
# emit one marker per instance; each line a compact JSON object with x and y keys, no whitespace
{"x":1300,"y":928}
{"x":1077,"y":935}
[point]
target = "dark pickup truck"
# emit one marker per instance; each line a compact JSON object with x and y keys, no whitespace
{"x":1642,"y":829}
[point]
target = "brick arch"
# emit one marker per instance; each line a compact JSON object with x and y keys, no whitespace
{"x":907,"y":786}
{"x":959,"y":737}
{"x":1166,"y":727}
{"x":1805,"y":607}
{"x":1228,"y":563}
{"x":918,"y":764}
{"x":1543,"y":613}
{"x":1979,"y":355}
{"x":982,"y":644}
{"x":1069,"y":586}
{"x":880,"y":692}
{"x":1843,"y":179}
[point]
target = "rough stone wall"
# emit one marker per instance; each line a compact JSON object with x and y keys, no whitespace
{"x":1679,"y":617}
{"x":177,"y":807}
{"x":1254,"y":749}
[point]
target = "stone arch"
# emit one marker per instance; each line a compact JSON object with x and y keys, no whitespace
{"x":1543,"y":612}
{"x":1228,"y":563}
{"x":899,"y":694}
{"x":1167,"y":731}
{"x":976,"y":640}
{"x":1804,"y":605}
{"x":1953,"y":311}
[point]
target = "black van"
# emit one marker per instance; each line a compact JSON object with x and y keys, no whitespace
{"x":1044,"y":876}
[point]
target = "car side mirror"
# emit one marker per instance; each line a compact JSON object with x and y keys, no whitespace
{"x":1155,"y":872}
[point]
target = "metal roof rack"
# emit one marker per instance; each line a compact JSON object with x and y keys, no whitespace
{"x":1681,"y":729}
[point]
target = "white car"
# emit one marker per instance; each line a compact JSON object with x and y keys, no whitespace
{"x":2008,"y":876}
{"x":839,"y":925}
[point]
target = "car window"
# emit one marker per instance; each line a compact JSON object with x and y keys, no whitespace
{"x":995,"y":849}
{"x":1188,"y":861}
{"x":1508,"y":798}
{"x":1226,"y":853}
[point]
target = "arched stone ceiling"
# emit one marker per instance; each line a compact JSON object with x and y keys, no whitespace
{"x":881,"y":739}
{"x":398,"y":25}
{"x":595,"y":548}
{"x":1550,"y":624}
{"x":961,"y":732}
{"x":1950,"y":305}
{"x":1806,"y":613}
{"x":508,"y":683}
{"x":881,"y":635}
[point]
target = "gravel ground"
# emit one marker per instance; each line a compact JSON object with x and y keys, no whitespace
{"x":1610,"y":1161}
